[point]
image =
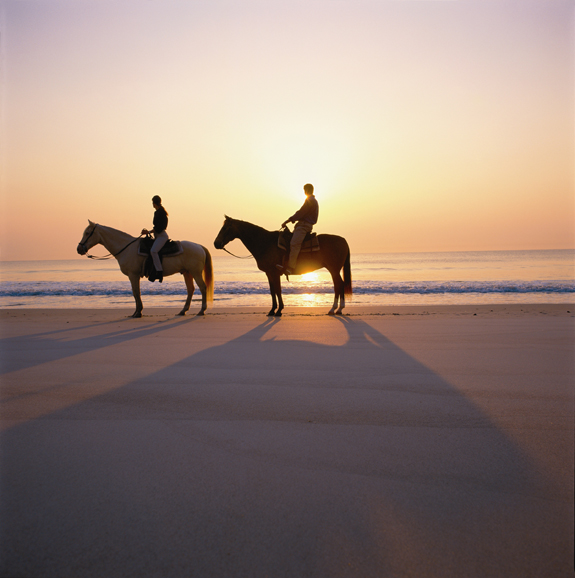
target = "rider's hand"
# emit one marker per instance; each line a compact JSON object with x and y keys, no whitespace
{"x":284,"y":224}
{"x":145,"y":232}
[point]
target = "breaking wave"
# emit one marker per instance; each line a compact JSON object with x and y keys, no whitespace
{"x":121,"y":289}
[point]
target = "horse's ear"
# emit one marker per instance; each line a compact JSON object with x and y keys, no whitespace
{"x":226,"y":217}
{"x":90,"y":222}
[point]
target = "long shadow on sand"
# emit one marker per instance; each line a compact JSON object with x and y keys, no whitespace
{"x":23,"y":352}
{"x":240,"y":460}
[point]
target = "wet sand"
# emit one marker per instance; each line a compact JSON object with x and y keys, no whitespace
{"x":393,"y":441}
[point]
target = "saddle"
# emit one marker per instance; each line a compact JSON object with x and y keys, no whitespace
{"x":170,"y":249}
{"x":310,"y":242}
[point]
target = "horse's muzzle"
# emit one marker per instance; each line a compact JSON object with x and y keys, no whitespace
{"x":81,"y":249}
{"x":218,"y":244}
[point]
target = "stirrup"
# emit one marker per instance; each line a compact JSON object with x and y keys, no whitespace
{"x":285,"y":270}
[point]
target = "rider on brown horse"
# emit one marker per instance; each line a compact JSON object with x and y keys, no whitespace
{"x":306,"y":218}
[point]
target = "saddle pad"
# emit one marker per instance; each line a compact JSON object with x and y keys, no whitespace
{"x":310,"y":243}
{"x":170,"y":249}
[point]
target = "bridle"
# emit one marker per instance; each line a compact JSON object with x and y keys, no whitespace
{"x":236,"y":256}
{"x":109,"y":255}
{"x":83,"y":243}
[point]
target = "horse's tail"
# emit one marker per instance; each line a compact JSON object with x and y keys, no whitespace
{"x":208,"y":275}
{"x":347,"y":276}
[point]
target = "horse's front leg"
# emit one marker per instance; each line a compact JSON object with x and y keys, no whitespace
{"x":277,"y":283}
{"x":135,"y":281}
{"x":273,"y":294}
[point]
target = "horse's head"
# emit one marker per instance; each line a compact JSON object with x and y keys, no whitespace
{"x":227,"y":233}
{"x":88,"y":238}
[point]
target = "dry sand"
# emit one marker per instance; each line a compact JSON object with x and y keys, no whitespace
{"x":414,"y":441}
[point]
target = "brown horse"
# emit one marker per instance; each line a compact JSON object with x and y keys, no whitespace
{"x":263,"y":245}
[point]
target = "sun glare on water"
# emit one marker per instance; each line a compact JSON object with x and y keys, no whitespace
{"x":311,"y":281}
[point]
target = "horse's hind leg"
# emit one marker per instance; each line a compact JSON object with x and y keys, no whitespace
{"x":190,"y":287}
{"x":339,"y":295}
{"x":341,"y":300}
{"x":202,"y":285}
{"x":334,"y":306}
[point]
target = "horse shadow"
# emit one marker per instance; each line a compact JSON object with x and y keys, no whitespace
{"x":269,"y":455}
{"x":23,"y":352}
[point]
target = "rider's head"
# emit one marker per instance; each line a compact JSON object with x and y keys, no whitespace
{"x":308,"y":189}
{"x":156,"y":200}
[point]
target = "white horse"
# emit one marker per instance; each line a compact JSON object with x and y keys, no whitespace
{"x":194,"y":263}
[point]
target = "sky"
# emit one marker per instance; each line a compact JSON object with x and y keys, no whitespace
{"x":424,"y":125}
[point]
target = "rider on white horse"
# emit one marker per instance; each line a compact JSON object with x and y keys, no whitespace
{"x":160,"y":236}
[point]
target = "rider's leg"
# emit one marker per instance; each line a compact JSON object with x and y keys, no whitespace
{"x":299,"y":233}
{"x":160,"y":241}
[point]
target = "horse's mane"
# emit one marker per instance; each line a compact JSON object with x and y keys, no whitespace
{"x":251,"y":225}
{"x":112,"y":229}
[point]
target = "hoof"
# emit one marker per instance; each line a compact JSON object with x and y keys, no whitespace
{"x":340,"y":312}
{"x":200,"y":313}
{"x":331,"y":312}
{"x":136,"y":315}
{"x":278,"y":314}
{"x":271,"y":313}
{"x":182,"y":313}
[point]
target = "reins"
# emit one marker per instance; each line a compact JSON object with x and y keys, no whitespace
{"x":236,"y":256}
{"x":109,"y":255}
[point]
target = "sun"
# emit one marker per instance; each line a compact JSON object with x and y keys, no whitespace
{"x":311,"y":277}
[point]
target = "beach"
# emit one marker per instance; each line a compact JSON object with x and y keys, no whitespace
{"x":419,"y":441}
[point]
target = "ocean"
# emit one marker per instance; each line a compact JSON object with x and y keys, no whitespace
{"x":378,"y":279}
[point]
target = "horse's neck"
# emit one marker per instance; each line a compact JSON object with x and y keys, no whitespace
{"x":113,"y":240}
{"x":254,"y":237}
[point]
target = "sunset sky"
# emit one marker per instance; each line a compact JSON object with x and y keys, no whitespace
{"x":425,"y":125}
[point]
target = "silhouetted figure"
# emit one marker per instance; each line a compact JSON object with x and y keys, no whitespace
{"x":305,"y":219}
{"x":160,"y":236}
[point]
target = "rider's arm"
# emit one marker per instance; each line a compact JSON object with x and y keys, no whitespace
{"x":299,"y":215}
